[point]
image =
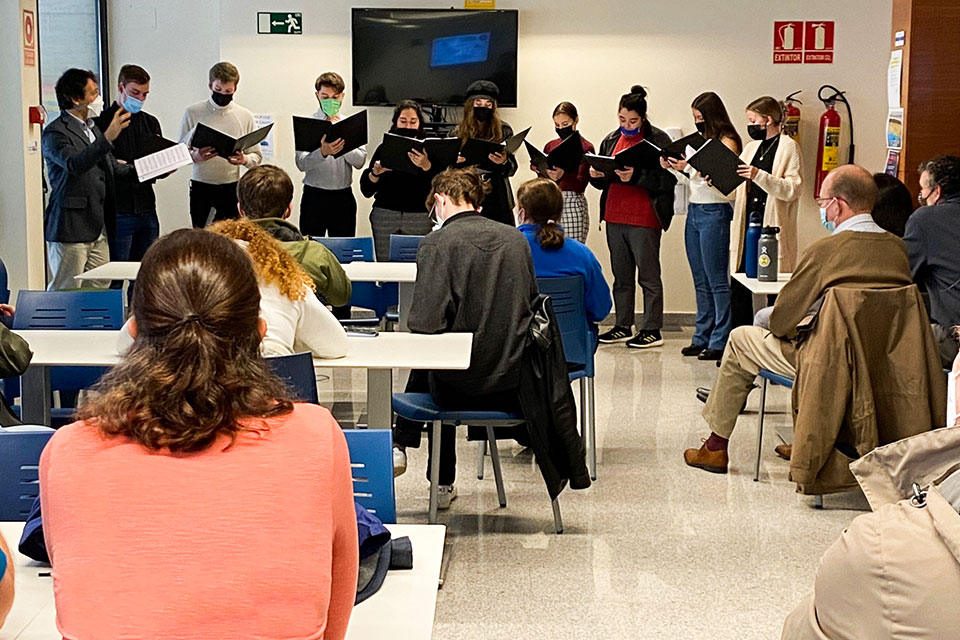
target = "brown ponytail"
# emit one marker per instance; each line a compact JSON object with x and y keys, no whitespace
{"x":542,"y":204}
{"x":768,"y":106}
{"x":463,"y":186}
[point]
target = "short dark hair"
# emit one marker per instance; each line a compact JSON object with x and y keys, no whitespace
{"x":330,"y":79}
{"x":265,"y":192}
{"x":402,"y":106}
{"x":71,"y":86}
{"x":894,"y":204}
{"x":567,"y":109}
{"x":133,"y":73}
{"x":224,"y":72}
{"x":944,"y":172}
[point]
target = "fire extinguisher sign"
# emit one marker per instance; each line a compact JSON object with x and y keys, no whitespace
{"x":796,"y":42}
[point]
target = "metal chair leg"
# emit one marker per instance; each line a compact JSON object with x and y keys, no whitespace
{"x":497,"y":474}
{"x":481,"y":451}
{"x":592,"y":418}
{"x":818,"y":502}
{"x":557,"y":520}
{"x":763,"y":409}
{"x":434,"y":471}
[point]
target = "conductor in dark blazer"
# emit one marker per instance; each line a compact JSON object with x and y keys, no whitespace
{"x":81,"y":170}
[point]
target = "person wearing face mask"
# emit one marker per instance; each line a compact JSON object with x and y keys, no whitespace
{"x":328,"y":206}
{"x":137,"y":226}
{"x":637,"y":205}
{"x":575,"y":218}
{"x":398,"y":196}
{"x":81,"y":170}
{"x":932,"y":237}
{"x":857,"y":253}
{"x":481,"y":121}
{"x":770,"y":196}
{"x":213,"y":188}
{"x":707,"y":233}
{"x":474,"y":275}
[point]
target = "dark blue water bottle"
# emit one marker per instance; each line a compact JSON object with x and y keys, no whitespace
{"x":750,"y":249}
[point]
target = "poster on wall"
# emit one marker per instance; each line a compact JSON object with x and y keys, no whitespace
{"x":893,"y":162}
{"x":788,"y":42}
{"x":894,"y":73}
{"x":895,"y":129}
{"x":266,"y":146}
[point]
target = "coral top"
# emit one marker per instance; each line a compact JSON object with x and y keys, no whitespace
{"x":254,"y":540}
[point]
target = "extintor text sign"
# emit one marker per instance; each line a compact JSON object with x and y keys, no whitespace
{"x":788,"y":42}
{"x":798,"y":41}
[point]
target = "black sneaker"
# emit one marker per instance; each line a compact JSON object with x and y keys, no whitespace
{"x":617,"y":334}
{"x":645,"y":340}
{"x":710,"y":354}
{"x":692,"y":350}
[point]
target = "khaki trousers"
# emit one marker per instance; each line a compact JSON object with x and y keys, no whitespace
{"x":748,"y":350}
{"x":69,"y":259}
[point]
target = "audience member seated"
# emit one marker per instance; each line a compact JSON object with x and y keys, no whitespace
{"x":265,"y":196}
{"x":474,"y":275}
{"x":539,"y":206}
{"x":6,"y":580}
{"x":893,"y":573}
{"x":296,"y":320}
{"x":15,"y":355}
{"x":932,"y":238}
{"x":857,"y":253}
{"x":194,"y":499}
{"x":894,"y":204}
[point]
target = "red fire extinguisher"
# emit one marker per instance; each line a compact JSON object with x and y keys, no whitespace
{"x":828,"y":147}
{"x":791,"y":120}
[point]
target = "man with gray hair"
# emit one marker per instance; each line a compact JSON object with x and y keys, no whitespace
{"x":856,"y":253}
{"x":933,"y":242}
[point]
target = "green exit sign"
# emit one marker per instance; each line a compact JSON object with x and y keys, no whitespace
{"x":286,"y":22}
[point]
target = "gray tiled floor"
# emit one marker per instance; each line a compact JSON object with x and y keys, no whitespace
{"x":654,"y":549}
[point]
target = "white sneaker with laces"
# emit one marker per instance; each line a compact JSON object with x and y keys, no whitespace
{"x":399,"y":462}
{"x":446,"y":493}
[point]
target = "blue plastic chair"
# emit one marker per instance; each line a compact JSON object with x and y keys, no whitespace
{"x":768,"y":377}
{"x":420,"y":407}
{"x":4,"y":287}
{"x":579,"y":345}
{"x":366,"y":295}
{"x":404,"y":248}
{"x":20,"y":449}
{"x":371,"y":463}
{"x":297,"y":371}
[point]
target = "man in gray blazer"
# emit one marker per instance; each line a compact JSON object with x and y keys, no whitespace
{"x":81,"y":169}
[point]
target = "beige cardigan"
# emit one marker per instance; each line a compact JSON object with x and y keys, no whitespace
{"x":783,"y":186}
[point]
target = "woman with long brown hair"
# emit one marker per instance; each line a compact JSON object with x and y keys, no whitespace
{"x":481,"y":121}
{"x":189,"y":463}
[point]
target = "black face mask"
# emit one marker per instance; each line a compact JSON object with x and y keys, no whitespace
{"x":404,"y":131}
{"x":483,"y":114}
{"x":701,"y":127}
{"x":757,"y":131}
{"x":221,"y":99}
{"x":565,"y":132}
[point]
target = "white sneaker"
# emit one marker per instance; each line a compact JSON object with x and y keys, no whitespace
{"x":399,"y":462}
{"x":446,"y":493}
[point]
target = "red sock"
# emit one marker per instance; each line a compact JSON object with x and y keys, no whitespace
{"x":716,"y":443}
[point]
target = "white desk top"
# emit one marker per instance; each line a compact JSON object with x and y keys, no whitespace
{"x":762,"y":288}
{"x":404,"y":606}
{"x":356,"y":271}
{"x":389,"y":350}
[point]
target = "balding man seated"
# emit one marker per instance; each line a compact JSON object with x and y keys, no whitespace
{"x":857,"y":253}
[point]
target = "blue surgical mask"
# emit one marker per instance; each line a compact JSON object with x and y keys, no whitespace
{"x":629,"y":132}
{"x":829,"y":225}
{"x":131,"y":104}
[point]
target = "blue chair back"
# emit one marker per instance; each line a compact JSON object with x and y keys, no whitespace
{"x":349,"y":249}
{"x":404,"y":248}
{"x":297,"y":371}
{"x":567,"y":297}
{"x":4,"y":288}
{"x":20,"y":449}
{"x":69,"y":310}
{"x":371,"y":463}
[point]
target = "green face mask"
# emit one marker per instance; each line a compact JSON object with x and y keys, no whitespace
{"x":330,"y":106}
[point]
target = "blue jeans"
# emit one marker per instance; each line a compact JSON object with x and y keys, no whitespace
{"x":134,"y":235}
{"x":707,"y":240}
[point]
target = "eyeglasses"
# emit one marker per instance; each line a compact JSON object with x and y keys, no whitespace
{"x":823,"y":203}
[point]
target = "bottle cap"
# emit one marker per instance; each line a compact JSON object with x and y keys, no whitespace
{"x":769,"y":231}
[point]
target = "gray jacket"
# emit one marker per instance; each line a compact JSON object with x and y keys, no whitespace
{"x":932,"y":237}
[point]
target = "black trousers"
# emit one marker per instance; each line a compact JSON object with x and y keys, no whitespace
{"x":328,"y":213}
{"x":222,"y":198}
{"x":408,"y":433}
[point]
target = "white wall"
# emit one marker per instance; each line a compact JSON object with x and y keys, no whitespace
{"x":587,"y":52}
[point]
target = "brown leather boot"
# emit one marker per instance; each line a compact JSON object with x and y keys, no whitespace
{"x":703,"y":458}
{"x":784,"y":450}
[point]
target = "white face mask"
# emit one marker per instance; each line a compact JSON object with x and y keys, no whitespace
{"x":95,"y":107}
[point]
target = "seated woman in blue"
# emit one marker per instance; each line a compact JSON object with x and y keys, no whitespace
{"x":539,"y":205}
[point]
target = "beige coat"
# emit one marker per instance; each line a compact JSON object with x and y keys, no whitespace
{"x":894,"y":573}
{"x":783,"y":186}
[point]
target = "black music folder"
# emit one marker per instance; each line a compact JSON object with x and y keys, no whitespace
{"x":308,"y":132}
{"x":678,"y":148}
{"x":226,"y":146}
{"x":477,"y":152}
{"x":716,"y":161}
{"x":567,"y":155}
{"x":644,"y":155}
{"x":154,"y":144}
{"x":393,"y":151}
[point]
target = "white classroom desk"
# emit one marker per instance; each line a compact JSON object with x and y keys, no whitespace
{"x":379,"y":355}
{"x":762,"y":288}
{"x":404,"y":606}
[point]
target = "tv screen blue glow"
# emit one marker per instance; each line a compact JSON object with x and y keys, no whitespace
{"x":465,"y":49}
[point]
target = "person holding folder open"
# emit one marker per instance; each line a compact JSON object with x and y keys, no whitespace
{"x":637,"y":204}
{"x":214,"y":182}
{"x":770,"y":196}
{"x":328,"y":206}
{"x":399,"y":196}
{"x":707,"y":232}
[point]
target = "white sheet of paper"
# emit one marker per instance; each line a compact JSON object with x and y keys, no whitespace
{"x":161,"y":162}
{"x":894,"y":72}
{"x":267,"y":148}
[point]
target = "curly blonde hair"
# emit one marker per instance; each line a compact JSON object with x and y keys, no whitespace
{"x":272,"y":264}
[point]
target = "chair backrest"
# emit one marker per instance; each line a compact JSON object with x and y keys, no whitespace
{"x":4,"y":289}
{"x":69,"y":310}
{"x":567,"y":297}
{"x":349,"y":249}
{"x":371,"y":462}
{"x":404,"y":248}
{"x":297,"y":371}
{"x":20,"y":449}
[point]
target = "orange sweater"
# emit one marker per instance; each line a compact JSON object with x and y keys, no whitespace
{"x":258,"y":540}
